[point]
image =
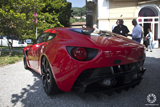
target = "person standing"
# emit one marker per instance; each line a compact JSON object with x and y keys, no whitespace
{"x":136,"y":32}
{"x":95,"y":28}
{"x":121,"y":29}
{"x":84,"y":26}
{"x":145,"y":40}
{"x":96,"y":31}
{"x":142,"y":35}
{"x":150,"y":38}
{"x":116,"y":24}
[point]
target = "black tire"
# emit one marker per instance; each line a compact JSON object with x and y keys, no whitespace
{"x":25,"y":62}
{"x":49,"y":84}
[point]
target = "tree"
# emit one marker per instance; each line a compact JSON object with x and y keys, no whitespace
{"x":78,"y":12}
{"x":64,"y":16}
{"x":60,"y":11}
{"x":16,"y":16}
{"x":72,"y":20}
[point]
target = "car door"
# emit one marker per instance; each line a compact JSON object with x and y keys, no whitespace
{"x":34,"y":50}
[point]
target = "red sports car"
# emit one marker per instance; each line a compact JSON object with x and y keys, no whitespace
{"x":85,"y":60}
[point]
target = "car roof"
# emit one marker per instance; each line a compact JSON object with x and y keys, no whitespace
{"x":53,"y":30}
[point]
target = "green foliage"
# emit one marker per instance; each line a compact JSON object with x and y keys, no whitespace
{"x":78,"y":12}
{"x":64,"y":16}
{"x":73,"y":20}
{"x":17,"y":16}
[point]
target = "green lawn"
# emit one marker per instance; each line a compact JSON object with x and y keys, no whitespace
{"x":6,"y":59}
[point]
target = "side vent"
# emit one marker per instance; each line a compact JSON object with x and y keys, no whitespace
{"x":116,"y":61}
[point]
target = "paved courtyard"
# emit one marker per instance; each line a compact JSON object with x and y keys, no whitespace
{"x":23,"y":88}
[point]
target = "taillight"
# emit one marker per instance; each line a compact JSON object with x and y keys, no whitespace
{"x":82,"y":53}
{"x":79,"y":53}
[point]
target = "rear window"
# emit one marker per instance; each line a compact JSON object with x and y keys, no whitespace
{"x":45,"y":37}
{"x":93,"y":32}
{"x":83,"y":31}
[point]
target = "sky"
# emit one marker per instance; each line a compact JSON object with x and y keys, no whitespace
{"x":77,"y":3}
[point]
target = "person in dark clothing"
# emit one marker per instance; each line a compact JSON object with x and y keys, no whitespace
{"x":146,"y":42}
{"x":121,"y":29}
{"x":116,"y":24}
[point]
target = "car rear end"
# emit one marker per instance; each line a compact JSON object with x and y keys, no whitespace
{"x":103,"y":63}
{"x":117,"y":66}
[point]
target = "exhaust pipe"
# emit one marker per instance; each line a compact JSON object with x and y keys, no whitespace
{"x":109,"y":82}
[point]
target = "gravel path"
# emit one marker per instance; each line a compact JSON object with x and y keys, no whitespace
{"x":23,"y":88}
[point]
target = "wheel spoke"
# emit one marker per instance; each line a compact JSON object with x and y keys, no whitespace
{"x":45,"y":74}
{"x":45,"y":84}
{"x":48,"y":85}
{"x":47,"y":65}
{"x":48,"y":77}
{"x":44,"y":66}
{"x":44,"y":63}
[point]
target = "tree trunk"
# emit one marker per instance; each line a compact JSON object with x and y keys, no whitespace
{"x":10,"y":46}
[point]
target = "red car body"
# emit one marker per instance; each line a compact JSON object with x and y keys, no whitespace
{"x":110,"y":50}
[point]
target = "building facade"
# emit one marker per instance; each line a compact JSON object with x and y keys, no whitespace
{"x":105,"y":13}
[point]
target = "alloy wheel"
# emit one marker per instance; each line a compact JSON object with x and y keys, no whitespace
{"x":46,"y":75}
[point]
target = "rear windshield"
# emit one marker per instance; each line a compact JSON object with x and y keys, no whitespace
{"x":93,"y":32}
{"x":83,"y":31}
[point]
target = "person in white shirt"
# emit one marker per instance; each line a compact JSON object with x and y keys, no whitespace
{"x":96,"y":31}
{"x":137,"y":31}
{"x":150,"y":37}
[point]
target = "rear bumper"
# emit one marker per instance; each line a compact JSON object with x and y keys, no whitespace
{"x":108,"y":79}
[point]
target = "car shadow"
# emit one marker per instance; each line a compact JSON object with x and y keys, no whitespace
{"x":28,"y":90}
{"x":34,"y":95}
